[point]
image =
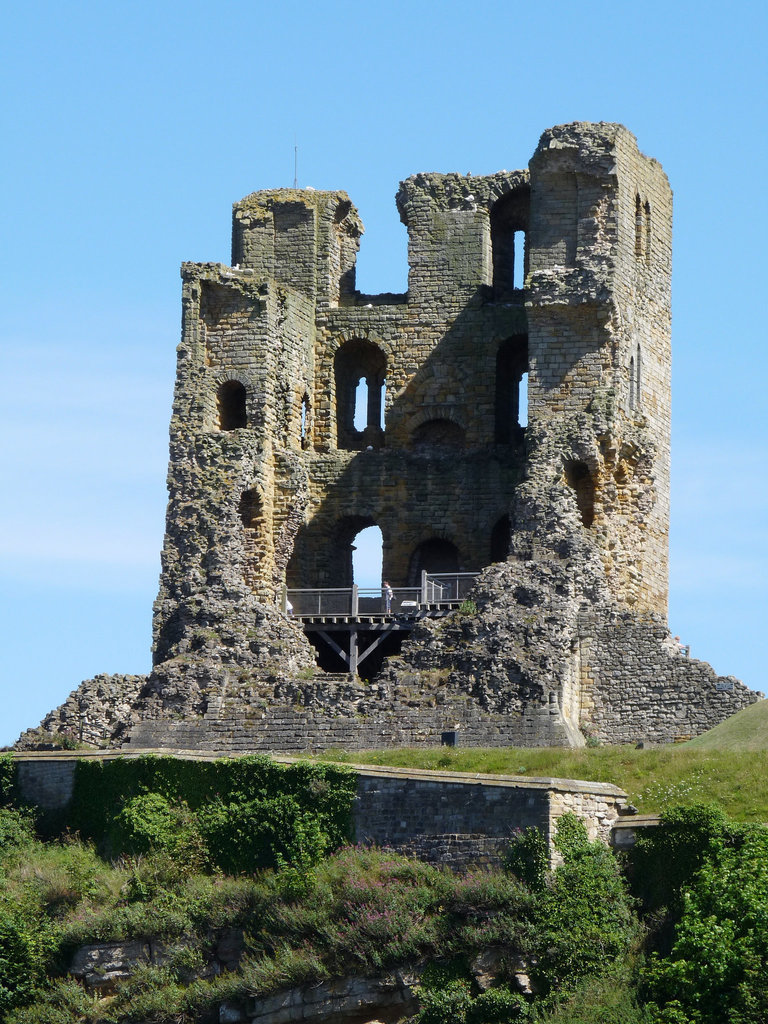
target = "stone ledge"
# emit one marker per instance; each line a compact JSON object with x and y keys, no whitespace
{"x":369,"y":771}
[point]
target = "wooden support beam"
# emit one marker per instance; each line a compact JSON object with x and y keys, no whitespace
{"x":353,"y":658}
{"x":372,"y":647}
{"x":334,"y":647}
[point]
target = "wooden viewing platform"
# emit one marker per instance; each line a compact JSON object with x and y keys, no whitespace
{"x":348,"y":611}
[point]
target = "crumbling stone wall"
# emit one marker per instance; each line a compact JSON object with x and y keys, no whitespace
{"x":280,"y":496}
{"x":567,"y":517}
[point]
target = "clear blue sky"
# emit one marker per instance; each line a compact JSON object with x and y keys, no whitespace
{"x":128,"y":131}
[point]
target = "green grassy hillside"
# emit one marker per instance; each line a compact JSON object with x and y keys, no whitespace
{"x":747,"y":730}
{"x":654,"y":778}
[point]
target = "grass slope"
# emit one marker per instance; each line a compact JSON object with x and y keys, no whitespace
{"x":746,"y":730}
{"x":654,"y":778}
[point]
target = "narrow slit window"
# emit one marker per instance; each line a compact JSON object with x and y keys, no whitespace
{"x":639,"y":227}
{"x":305,"y":421}
{"x":519,"y":260}
{"x":522,"y":401}
{"x":361,"y":404}
{"x":647,"y":214}
{"x":632,"y":385}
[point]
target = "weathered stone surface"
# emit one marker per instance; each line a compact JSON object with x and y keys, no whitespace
{"x":95,"y":714}
{"x":566,"y":516}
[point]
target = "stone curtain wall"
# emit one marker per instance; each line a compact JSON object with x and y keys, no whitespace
{"x":443,"y":817}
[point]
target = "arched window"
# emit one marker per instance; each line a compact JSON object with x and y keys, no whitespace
{"x":360,"y":371}
{"x":440,"y":432}
{"x":579,"y":478}
{"x":511,"y":389}
{"x":501,"y":535}
{"x":509,"y":233}
{"x":433,"y":556}
{"x":230,"y":402}
{"x":367,"y":556}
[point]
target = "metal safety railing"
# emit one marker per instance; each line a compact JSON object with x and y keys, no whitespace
{"x":441,"y":590}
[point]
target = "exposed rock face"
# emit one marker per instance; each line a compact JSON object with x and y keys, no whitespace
{"x":387,"y":998}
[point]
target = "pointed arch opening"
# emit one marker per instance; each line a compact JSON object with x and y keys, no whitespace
{"x":230,"y":405}
{"x":368,"y":557}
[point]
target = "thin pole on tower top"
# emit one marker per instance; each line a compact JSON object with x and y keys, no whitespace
{"x":295,"y":166}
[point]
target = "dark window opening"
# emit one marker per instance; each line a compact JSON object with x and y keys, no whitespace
{"x":230,"y":400}
{"x":501,"y":536}
{"x":360,"y":370}
{"x":509,"y":233}
{"x":433,"y":556}
{"x":579,"y":478}
{"x":250,"y":516}
{"x":632,"y":394}
{"x":250,"y":509}
{"x":647,"y":212}
{"x":511,"y":389}
{"x":440,"y":432}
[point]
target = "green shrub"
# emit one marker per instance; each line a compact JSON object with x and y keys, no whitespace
{"x":16,"y":828}
{"x":717,"y":968}
{"x":151,"y":822}
{"x":445,"y":1004}
{"x":583,"y":920}
{"x":666,"y":859}
{"x":498,"y":1006}
{"x":8,"y":780}
{"x":256,"y":834}
{"x":528,"y":857}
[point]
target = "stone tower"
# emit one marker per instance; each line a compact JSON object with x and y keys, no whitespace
{"x":305,"y":411}
{"x":263,"y":433}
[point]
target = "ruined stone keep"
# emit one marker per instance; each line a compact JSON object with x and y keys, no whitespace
{"x":556,"y":277}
